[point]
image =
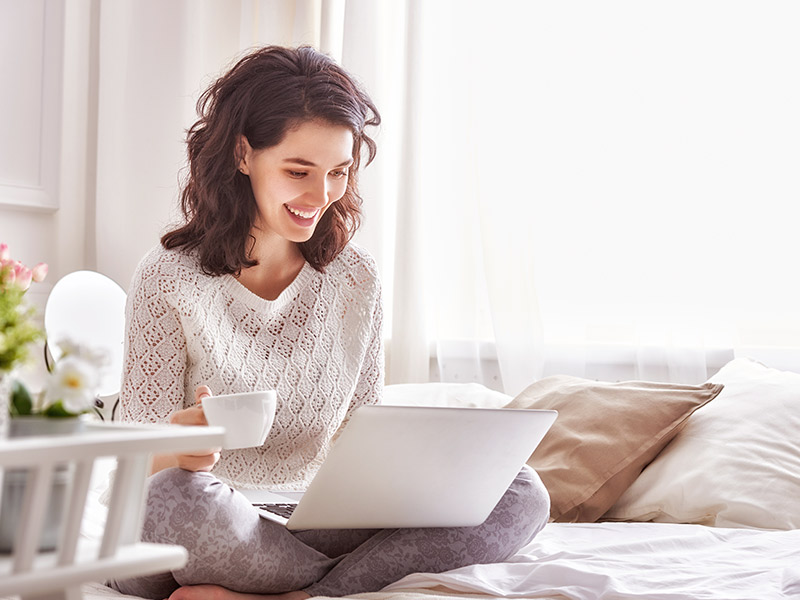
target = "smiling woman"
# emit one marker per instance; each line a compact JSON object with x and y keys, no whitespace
{"x":261,"y":289}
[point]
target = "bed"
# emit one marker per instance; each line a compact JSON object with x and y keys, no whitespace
{"x":659,"y":491}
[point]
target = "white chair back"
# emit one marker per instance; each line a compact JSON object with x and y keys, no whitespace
{"x":88,"y":308}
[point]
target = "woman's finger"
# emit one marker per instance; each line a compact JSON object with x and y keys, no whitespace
{"x":189,"y":416}
{"x":201,"y":392}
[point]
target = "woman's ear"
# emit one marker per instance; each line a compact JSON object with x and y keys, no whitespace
{"x":243,"y":153}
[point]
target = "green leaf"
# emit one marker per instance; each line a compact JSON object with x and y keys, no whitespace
{"x":57,"y":410}
{"x":21,"y":401}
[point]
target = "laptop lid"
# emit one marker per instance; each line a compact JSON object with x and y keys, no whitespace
{"x":411,"y":466}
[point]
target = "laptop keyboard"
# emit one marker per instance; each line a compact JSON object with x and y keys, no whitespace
{"x":282,"y":510}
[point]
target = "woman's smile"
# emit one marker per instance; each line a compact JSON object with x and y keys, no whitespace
{"x":303,"y":216}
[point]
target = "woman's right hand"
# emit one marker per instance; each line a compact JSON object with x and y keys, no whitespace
{"x":203,"y":460}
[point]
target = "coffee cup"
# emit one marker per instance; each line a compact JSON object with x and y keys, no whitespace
{"x":246,"y":417}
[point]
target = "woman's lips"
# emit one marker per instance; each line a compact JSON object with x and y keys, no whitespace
{"x":302,"y":216}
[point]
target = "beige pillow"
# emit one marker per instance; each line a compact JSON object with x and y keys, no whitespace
{"x":605,"y":434}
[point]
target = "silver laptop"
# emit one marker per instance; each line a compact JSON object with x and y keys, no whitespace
{"x":411,"y":466}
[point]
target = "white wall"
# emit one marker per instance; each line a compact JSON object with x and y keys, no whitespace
{"x":46,"y":187}
{"x":76,"y":189}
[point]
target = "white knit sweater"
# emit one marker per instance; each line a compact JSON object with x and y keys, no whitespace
{"x":318,"y":345}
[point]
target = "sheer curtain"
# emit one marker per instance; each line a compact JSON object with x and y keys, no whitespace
{"x":606,"y":189}
{"x":600,"y":189}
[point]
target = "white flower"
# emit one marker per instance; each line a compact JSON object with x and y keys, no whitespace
{"x":74,"y":382}
{"x":69,"y":348}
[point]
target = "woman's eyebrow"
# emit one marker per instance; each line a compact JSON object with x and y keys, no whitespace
{"x":308,"y":163}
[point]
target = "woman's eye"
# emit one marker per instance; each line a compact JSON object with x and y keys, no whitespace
{"x":297,"y":174}
{"x":339,"y":173}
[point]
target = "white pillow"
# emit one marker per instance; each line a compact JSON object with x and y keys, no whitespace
{"x":736,"y":463}
{"x":444,"y":394}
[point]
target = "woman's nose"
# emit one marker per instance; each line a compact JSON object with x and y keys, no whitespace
{"x":319,"y":192}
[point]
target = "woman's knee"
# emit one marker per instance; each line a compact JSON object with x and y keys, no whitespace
{"x":523,"y":511}
{"x":181,"y":503}
{"x":536,"y":499}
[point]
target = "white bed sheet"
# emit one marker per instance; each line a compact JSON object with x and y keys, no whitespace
{"x":619,"y":561}
{"x":624,"y":561}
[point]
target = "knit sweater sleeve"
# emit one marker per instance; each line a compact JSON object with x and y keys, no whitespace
{"x":369,"y":386}
{"x":155,"y":349}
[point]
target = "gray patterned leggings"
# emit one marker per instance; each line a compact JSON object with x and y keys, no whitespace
{"x":231,"y":546}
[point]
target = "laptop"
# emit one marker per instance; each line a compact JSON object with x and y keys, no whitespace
{"x":412,"y":466}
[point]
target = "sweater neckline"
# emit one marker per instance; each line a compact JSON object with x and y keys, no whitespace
{"x":256,"y":302}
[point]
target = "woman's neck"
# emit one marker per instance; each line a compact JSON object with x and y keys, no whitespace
{"x":278,"y":266}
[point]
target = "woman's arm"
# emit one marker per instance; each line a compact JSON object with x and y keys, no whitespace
{"x":153,"y":389}
{"x":369,"y":387}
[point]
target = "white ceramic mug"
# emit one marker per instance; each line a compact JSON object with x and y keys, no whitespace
{"x":246,"y":417}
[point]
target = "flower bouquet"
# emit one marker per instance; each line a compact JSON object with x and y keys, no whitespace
{"x":69,"y":390}
{"x":73,"y":381}
{"x":18,"y":329}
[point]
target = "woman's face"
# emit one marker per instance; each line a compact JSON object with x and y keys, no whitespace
{"x":296,"y":181}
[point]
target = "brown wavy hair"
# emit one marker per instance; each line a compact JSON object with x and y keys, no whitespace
{"x":265,"y":94}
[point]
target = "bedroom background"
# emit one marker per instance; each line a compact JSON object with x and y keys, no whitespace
{"x":599,"y":189}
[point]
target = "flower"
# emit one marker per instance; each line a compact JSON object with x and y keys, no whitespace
{"x":71,"y":387}
{"x":17,"y":326}
{"x":39,"y":272}
{"x":73,"y":382}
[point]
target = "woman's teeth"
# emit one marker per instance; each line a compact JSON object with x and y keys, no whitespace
{"x":301,"y":213}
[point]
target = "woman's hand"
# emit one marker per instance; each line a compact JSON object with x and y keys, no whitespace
{"x":203,"y":460}
{"x":193,"y":415}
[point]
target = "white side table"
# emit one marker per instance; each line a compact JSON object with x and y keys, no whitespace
{"x":58,"y":574}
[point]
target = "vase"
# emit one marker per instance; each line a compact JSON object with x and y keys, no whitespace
{"x":15,"y":482}
{"x":5,"y":395}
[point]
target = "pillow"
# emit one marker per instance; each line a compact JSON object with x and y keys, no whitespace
{"x":737,"y":462}
{"x":603,"y":437}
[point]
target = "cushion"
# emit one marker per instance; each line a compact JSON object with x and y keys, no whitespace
{"x":605,"y":434}
{"x":737,"y":462}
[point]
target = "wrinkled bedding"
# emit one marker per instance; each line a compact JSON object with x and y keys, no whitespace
{"x":619,"y":561}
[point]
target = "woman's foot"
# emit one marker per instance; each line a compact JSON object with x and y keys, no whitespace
{"x":216,"y":592}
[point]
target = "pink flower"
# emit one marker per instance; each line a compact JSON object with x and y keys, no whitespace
{"x":23,"y":276}
{"x":9,"y":275}
{"x":14,"y":272}
{"x":40,"y":272}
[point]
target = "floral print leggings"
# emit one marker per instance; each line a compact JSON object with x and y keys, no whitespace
{"x":231,"y":546}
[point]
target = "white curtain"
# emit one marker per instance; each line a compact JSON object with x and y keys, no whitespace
{"x":601,"y":189}
{"x":605,"y":188}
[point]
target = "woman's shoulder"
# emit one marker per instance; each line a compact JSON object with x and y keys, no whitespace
{"x":167,"y":270}
{"x":356,"y":257}
{"x":355,"y":266}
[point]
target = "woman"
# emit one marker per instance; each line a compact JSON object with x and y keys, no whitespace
{"x":261,"y":289}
